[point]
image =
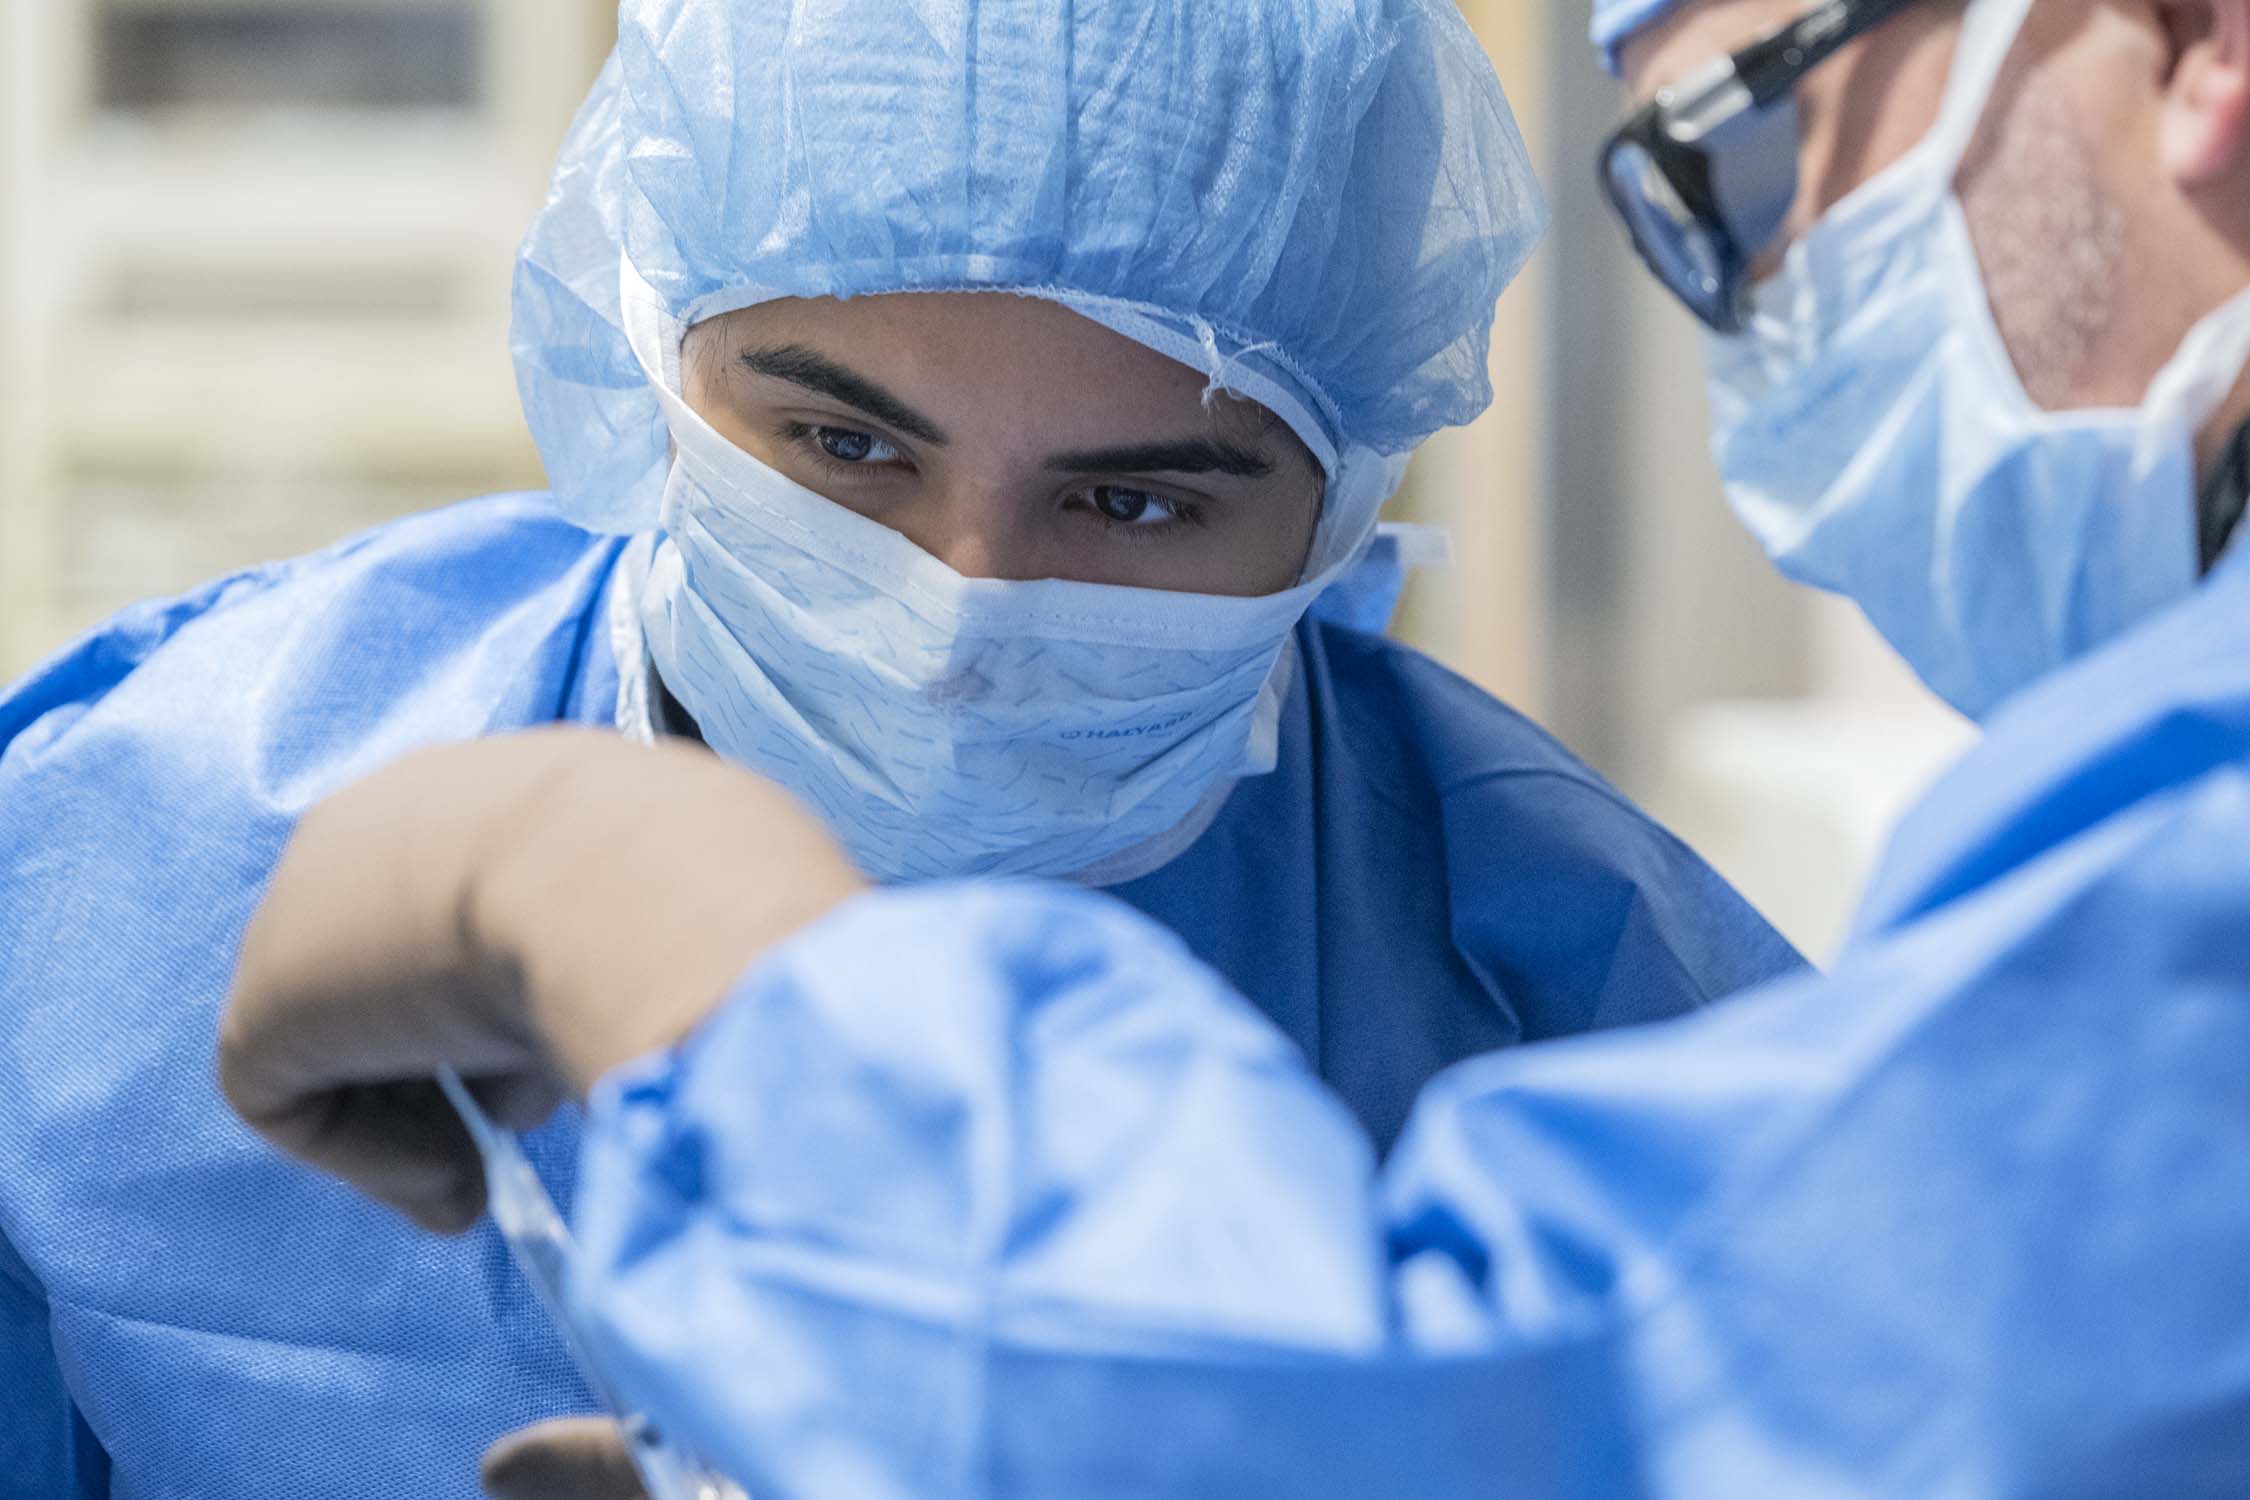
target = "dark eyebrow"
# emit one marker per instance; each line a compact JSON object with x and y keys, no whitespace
{"x":817,"y":372}
{"x":1200,"y":455}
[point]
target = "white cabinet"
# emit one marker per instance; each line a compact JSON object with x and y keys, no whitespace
{"x":254,"y":265}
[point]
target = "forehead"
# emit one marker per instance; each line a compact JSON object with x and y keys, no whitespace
{"x":984,"y":338}
{"x":975,"y":359}
{"x":1688,"y":36}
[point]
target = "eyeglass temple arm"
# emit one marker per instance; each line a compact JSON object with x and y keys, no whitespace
{"x":1771,"y":68}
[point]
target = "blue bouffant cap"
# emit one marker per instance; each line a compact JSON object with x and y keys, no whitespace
{"x":1317,"y":204}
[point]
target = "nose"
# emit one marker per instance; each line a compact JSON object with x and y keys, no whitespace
{"x":977,"y":532}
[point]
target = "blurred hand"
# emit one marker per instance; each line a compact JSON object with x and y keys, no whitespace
{"x":532,"y":911}
{"x":576,"y":1458}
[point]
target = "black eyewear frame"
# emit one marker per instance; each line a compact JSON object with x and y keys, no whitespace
{"x":1705,"y":174}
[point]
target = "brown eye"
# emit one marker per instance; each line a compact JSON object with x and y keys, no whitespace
{"x":846,"y":446}
{"x":1128,"y":507}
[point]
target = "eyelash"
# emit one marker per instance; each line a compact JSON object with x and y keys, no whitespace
{"x":1182,"y":515}
{"x":805,"y":437}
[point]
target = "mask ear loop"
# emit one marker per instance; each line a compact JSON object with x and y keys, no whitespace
{"x":1348,"y":518}
{"x":2197,"y":379}
{"x":1779,"y":337}
{"x":659,"y":343}
{"x":1348,"y":475}
{"x":1989,"y":30}
{"x":2211,"y":359}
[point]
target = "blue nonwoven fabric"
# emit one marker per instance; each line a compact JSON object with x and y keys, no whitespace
{"x":1967,"y":1217}
{"x":212,"y":1323}
{"x":186,"y":1316}
{"x":1318,"y":205}
{"x":1066,"y":1217}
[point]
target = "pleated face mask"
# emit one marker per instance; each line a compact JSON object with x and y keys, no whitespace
{"x":1875,"y":437}
{"x":1318,"y":203}
{"x":950,"y":726}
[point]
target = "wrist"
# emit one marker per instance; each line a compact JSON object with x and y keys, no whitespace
{"x":632,"y":887}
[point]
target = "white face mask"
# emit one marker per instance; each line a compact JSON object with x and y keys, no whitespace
{"x":1874,"y":436}
{"x":947,"y":726}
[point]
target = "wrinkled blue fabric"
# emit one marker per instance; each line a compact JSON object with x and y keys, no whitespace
{"x":1970,"y":1217}
{"x":1325,"y":198}
{"x":228,"y":1327}
{"x":183,"y":1315}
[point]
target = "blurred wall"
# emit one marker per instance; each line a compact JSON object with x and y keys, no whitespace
{"x":256,"y":259}
{"x":1490,"y":484}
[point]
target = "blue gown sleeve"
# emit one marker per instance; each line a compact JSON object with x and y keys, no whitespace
{"x":46,"y":1453}
{"x":995,"y":1192}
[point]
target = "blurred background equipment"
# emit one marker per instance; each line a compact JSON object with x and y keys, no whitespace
{"x":256,"y":275}
{"x":254,"y":266}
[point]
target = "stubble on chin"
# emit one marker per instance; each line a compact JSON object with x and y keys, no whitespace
{"x":2051,"y":241}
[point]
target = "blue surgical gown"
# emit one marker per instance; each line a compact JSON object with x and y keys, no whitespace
{"x":183,"y":1315}
{"x":1968,"y":1218}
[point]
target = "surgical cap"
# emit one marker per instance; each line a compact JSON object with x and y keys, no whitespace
{"x":1615,"y":21}
{"x":1315,"y":202}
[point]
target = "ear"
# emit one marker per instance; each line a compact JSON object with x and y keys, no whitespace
{"x":2206,"y":121}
